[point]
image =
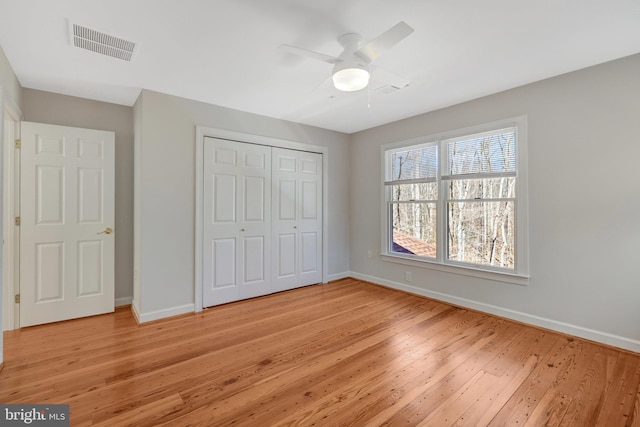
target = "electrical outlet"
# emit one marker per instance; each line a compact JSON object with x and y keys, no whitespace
{"x":407,"y":276}
{"x":369,"y":254}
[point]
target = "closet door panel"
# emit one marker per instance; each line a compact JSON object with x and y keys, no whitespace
{"x":285,"y":219}
{"x":310,"y":222}
{"x":237,"y":221}
{"x":297,"y":218}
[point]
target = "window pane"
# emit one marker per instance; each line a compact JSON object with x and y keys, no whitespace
{"x":482,"y":154}
{"x":415,"y":163}
{"x":490,"y":188}
{"x":482,"y":233}
{"x":409,"y":192}
{"x":414,"y":228}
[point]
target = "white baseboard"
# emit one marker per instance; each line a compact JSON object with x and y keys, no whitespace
{"x":161,"y":314}
{"x":123,"y":301}
{"x":339,"y":276}
{"x":566,"y":328}
{"x":135,"y":313}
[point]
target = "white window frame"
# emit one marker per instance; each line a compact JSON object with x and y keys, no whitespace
{"x":520,"y":274}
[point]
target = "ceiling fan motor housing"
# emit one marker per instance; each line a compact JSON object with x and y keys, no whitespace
{"x":350,"y":73}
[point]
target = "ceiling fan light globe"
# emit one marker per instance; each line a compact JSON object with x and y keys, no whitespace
{"x":351,"y":79}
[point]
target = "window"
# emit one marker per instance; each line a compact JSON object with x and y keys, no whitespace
{"x":459,"y":199}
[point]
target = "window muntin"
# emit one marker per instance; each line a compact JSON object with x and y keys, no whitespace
{"x":471,"y":184}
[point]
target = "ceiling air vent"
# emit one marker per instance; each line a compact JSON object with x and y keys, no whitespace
{"x":390,"y":88}
{"x":102,"y":43}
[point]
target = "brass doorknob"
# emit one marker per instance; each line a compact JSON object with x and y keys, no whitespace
{"x":106,"y":231}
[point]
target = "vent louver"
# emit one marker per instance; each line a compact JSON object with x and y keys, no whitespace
{"x":390,"y":88}
{"x":102,"y":43}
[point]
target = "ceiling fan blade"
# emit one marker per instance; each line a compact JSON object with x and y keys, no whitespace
{"x":309,"y":53}
{"x":384,"y":41}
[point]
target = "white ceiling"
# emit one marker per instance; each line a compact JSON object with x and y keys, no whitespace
{"x":225,"y":52}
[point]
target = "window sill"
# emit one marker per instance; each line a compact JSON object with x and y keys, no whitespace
{"x":516,"y":279}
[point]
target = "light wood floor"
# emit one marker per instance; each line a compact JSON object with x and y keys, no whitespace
{"x":346,"y":353}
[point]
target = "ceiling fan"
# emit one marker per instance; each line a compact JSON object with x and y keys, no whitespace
{"x":351,"y":70}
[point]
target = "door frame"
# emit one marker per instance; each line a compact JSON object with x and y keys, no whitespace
{"x":204,"y":131}
{"x":10,"y":209}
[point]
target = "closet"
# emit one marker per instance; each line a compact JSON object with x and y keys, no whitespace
{"x":262,"y":220}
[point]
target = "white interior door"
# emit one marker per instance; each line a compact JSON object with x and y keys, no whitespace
{"x":66,"y":221}
{"x":237,"y":221}
{"x":297,"y":218}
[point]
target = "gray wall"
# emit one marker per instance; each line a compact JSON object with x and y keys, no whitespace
{"x":9,"y":82}
{"x":584,"y":199}
{"x":165,"y":191}
{"x":46,"y":107}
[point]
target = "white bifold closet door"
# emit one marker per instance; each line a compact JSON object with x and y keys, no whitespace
{"x":297,"y":218}
{"x":237,"y":221}
{"x":262,"y":214}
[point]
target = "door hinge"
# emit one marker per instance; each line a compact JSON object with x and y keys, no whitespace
{"x":17,"y":299}
{"x":17,"y":221}
{"x":18,"y":144}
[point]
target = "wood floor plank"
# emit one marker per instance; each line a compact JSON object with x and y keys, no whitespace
{"x":364,"y":381}
{"x":622,"y":388}
{"x":138,"y":358}
{"x":525,"y":347}
{"x":235,"y":365}
{"x":548,"y":393}
{"x":567,"y":359}
{"x":588,"y":399}
{"x":339,"y":354}
{"x":443,"y":362}
{"x":283,"y":382}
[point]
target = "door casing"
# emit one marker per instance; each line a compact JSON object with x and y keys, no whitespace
{"x":10,"y":209}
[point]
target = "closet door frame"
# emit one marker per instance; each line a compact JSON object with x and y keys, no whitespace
{"x":201,"y":133}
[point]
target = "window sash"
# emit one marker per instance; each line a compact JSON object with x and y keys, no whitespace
{"x":481,"y":154}
{"x":421,"y":243}
{"x":410,"y":181}
{"x":484,"y":244}
{"x":425,"y":168}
